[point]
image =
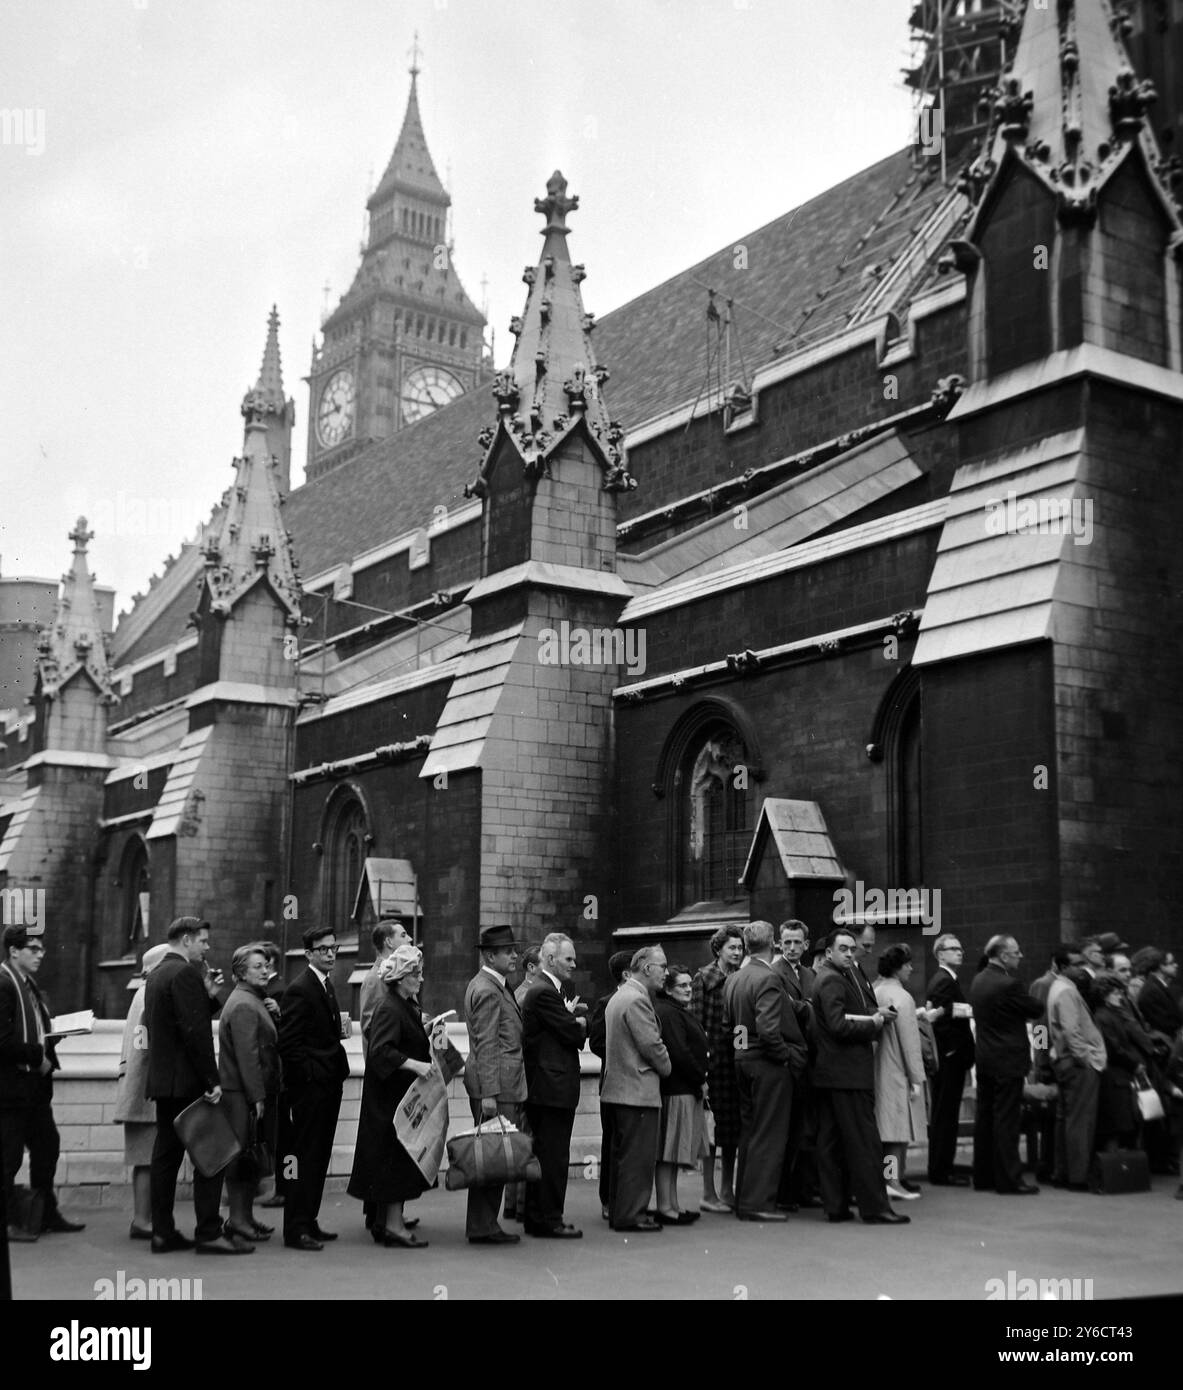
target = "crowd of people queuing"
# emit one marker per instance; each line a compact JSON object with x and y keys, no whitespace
{"x":783,"y":1070}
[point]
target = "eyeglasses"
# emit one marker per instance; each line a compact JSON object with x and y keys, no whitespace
{"x":327,"y":950}
{"x":37,"y":949}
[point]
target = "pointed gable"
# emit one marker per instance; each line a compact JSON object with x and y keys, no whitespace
{"x":74,"y":642}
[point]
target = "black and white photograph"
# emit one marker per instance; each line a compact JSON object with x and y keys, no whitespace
{"x":591,"y":649}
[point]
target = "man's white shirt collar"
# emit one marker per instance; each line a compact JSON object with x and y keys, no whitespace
{"x":497,"y":975}
{"x":552,"y":979}
{"x":319,"y":973}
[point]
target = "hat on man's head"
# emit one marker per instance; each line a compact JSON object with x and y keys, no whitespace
{"x":496,"y":938}
{"x":1111,"y":942}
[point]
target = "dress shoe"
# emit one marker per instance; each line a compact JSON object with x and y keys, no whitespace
{"x":720,"y":1207}
{"x":56,"y":1224}
{"x":495,"y":1238}
{"x":225,"y":1245}
{"x":563,"y":1232}
{"x":681,"y":1218}
{"x":324,"y":1236}
{"x":410,"y":1241}
{"x":22,"y":1236}
{"x":644,"y":1224}
{"x":139,"y":1232}
{"x":165,"y":1245}
{"x":302,"y":1243}
{"x":762,"y":1215}
{"x":887,"y":1218}
{"x":261,"y":1231}
{"x":902,"y":1194}
{"x":908,"y":1186}
{"x":834,"y":1217}
{"x":951,"y":1180}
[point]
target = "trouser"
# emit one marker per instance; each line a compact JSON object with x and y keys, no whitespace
{"x":314,"y":1110}
{"x":606,"y":1142}
{"x":30,"y":1127}
{"x":849,"y":1154}
{"x":551,"y":1128}
{"x":484,"y":1203}
{"x":635,"y":1130}
{"x":765,"y":1111}
{"x":997,"y":1121}
{"x":168,"y":1153}
{"x":798,"y":1179}
{"x":1076,"y":1119}
{"x":948,"y":1086}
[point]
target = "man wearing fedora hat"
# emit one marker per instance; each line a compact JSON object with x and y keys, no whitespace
{"x":495,"y":1073}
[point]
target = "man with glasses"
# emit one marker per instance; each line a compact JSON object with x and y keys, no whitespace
{"x":635,"y":1060}
{"x":955,"y":1053}
{"x":27,"y":1064}
{"x":314,"y":1069}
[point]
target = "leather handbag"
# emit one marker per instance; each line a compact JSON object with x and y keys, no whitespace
{"x":257,"y":1155}
{"x":1120,"y":1170}
{"x":1149,"y":1101}
{"x":491,"y":1155}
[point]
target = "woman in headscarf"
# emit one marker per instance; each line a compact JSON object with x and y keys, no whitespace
{"x":249,"y":1072}
{"x":133,"y":1109}
{"x":385,"y":1176}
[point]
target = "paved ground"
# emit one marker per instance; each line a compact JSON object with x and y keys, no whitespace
{"x":958,"y":1240}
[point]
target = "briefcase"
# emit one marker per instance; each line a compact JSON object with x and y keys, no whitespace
{"x":1121,"y":1170}
{"x":208,"y":1136}
{"x":490,"y":1156}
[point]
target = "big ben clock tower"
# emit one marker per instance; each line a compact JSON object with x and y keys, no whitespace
{"x":405,"y":338}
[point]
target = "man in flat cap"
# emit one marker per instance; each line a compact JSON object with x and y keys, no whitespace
{"x":27,"y":1064}
{"x":495,"y":1072}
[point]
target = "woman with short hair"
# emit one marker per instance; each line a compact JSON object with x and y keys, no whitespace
{"x":900,"y":1110}
{"x":682,"y":1136}
{"x":249,"y":1073}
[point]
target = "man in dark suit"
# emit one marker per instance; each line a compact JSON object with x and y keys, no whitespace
{"x":798,"y":1180}
{"x":770,"y":1053}
{"x":495,"y":1072}
{"x":27,"y":1064}
{"x":1157,"y":1005}
{"x":955,"y":1056}
{"x":552,"y":1038}
{"x":314,"y":1070}
{"x":846,"y":1020}
{"x":179,"y":1002}
{"x":1001,"y":1008}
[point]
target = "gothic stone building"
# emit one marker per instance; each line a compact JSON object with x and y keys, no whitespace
{"x":878,"y":591}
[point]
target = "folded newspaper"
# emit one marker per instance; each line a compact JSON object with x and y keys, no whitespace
{"x":72,"y":1025}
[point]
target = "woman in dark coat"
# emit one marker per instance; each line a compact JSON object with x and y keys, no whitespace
{"x":682,"y":1137}
{"x":1117,"y":1111}
{"x":384,"y":1174}
{"x":249,"y":1073}
{"x":706,"y":1004}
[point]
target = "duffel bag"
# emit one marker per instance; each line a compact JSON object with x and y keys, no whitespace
{"x":490,"y":1155}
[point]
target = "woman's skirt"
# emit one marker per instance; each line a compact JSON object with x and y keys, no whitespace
{"x":682,"y":1139}
{"x":138,"y":1140}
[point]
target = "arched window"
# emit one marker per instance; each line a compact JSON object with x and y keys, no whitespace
{"x":897,"y":740}
{"x":135,"y":881}
{"x":716,"y":817}
{"x":345,"y":847}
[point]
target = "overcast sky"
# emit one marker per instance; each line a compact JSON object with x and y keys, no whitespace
{"x":180,"y":165}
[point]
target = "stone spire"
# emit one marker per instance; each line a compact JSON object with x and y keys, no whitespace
{"x":74,"y":642}
{"x":411,"y":168}
{"x":266,"y":402}
{"x":250,"y":544}
{"x":553,"y":383}
{"x":1071,"y":109}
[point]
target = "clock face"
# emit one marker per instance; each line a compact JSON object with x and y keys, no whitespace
{"x":334,"y":417}
{"x":425,"y":390}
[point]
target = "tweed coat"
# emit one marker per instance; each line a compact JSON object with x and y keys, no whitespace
{"x":706,"y":1003}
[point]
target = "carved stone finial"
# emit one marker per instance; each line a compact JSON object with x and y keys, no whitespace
{"x":1129,"y":100}
{"x":1012,"y":109}
{"x":80,"y":536}
{"x":556,"y":205}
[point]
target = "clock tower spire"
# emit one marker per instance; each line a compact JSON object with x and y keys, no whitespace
{"x":405,"y":337}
